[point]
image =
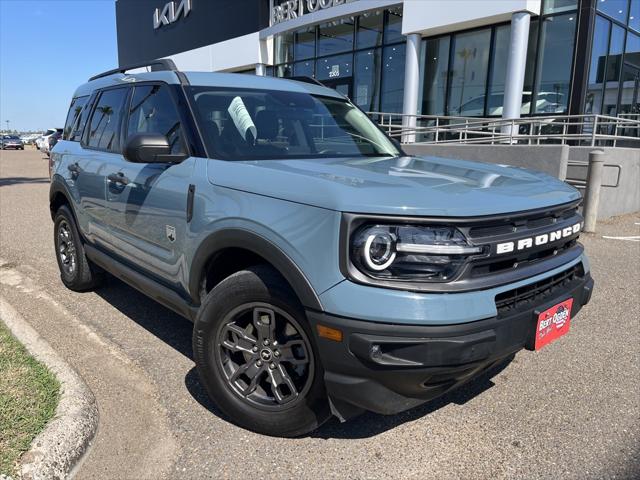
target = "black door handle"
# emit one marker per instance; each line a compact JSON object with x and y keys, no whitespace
{"x":118,"y":178}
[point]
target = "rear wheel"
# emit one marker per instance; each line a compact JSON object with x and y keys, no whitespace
{"x":255,"y":355}
{"x":76,"y":271}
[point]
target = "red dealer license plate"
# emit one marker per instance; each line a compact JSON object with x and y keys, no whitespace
{"x":553,"y":323}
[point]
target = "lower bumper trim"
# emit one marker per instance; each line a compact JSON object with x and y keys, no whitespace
{"x":389,"y":368}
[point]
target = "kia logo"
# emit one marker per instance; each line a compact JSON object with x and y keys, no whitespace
{"x":170,"y":13}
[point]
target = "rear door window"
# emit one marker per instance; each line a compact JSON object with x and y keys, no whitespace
{"x":153,"y":111}
{"x":106,"y":119}
{"x":74,"y":124}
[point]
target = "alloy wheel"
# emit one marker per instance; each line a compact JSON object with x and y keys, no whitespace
{"x":66,"y":248}
{"x":265,"y":356}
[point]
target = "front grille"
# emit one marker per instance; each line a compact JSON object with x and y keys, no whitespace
{"x":532,"y":295}
{"x":515,"y":225}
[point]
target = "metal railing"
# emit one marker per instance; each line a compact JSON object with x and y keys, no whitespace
{"x":576,"y":130}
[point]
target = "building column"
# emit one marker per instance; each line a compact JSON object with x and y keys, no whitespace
{"x":516,"y":65}
{"x":411,"y":86}
{"x":261,"y":69}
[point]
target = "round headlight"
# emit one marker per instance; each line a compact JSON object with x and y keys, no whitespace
{"x":379,"y":251}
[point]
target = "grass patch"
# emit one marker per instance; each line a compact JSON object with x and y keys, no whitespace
{"x":29,"y":395}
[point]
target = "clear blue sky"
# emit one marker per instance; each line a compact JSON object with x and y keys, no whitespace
{"x":47,"y":49}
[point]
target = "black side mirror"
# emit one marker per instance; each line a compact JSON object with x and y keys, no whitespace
{"x":150,"y":148}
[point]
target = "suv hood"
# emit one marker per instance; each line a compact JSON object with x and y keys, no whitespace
{"x":422,"y":186}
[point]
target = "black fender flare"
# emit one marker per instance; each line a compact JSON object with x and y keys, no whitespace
{"x":248,"y":240}
{"x":58,"y":186}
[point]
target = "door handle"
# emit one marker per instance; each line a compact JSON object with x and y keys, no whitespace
{"x":118,"y":178}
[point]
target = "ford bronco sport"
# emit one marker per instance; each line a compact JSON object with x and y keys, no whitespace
{"x":326,"y":272}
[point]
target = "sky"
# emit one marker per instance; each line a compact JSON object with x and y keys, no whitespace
{"x":47,"y":49}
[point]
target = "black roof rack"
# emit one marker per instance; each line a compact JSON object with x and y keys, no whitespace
{"x":306,"y":80}
{"x":156,"y":66}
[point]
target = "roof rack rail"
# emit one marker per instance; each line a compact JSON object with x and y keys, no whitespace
{"x":306,"y":80}
{"x":156,"y":66}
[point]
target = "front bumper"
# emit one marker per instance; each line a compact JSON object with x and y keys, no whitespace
{"x":388,"y":368}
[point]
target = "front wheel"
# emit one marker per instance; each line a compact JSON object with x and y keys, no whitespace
{"x":255,"y":355}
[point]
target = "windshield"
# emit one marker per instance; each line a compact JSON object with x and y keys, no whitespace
{"x":272,"y":124}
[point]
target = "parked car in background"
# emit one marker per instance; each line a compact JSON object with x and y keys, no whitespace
{"x":40,"y":140}
{"x":12,"y":142}
{"x":45,"y":147}
{"x":52,"y":140}
{"x":30,"y":139}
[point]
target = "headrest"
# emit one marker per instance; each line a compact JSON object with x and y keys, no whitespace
{"x":267,"y":124}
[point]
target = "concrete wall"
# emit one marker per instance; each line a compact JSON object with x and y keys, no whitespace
{"x":551,"y":159}
{"x":613,"y":201}
{"x":235,"y":54}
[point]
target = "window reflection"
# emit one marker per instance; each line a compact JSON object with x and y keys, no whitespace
{"x":614,"y":65}
{"x":392,"y":92}
{"x":557,"y":6}
{"x":305,"y":43}
{"x":303,"y":69}
{"x":104,"y":129}
{"x":393,"y":28}
{"x":597,"y":65}
{"x":616,"y":9}
{"x":369,"y":29}
{"x":435,"y":74}
{"x":554,"y":64}
{"x":335,"y":37}
{"x":632,"y":55}
{"x":634,"y":15}
{"x":469,"y":73}
{"x":333,"y":68}
{"x":367,"y":79}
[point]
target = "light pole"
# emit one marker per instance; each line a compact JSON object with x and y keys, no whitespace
{"x":7,"y":121}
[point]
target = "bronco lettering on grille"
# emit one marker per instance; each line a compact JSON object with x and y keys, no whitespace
{"x":529,"y":242}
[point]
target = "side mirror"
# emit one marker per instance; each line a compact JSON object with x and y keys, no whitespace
{"x":150,"y":148}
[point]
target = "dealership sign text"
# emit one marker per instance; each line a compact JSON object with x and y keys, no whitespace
{"x":290,"y":9}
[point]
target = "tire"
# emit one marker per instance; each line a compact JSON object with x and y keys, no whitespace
{"x":76,"y":270}
{"x":228,"y":319}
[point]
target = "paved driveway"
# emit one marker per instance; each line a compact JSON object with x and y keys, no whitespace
{"x":571,"y":410}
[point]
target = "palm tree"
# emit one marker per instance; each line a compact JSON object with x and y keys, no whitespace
{"x":105,"y":111}
{"x":465,"y":54}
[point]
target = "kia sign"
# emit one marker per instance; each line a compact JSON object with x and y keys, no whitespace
{"x":170,"y":13}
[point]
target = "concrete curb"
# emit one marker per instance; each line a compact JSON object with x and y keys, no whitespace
{"x":60,"y":446}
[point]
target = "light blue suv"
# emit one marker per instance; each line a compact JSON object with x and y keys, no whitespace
{"x":326,"y":272}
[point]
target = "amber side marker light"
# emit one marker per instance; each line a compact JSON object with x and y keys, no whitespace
{"x":329,"y":333}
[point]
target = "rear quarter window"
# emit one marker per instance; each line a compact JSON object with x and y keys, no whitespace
{"x":76,"y":118}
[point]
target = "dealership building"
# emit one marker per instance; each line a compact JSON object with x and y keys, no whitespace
{"x":471,"y":58}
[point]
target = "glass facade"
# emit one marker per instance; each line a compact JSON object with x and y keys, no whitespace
{"x":463,"y":73}
{"x":614,"y":67}
{"x":362,"y":57}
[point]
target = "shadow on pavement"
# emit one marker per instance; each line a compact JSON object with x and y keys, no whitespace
{"x":176,"y":331}
{"x":20,"y":180}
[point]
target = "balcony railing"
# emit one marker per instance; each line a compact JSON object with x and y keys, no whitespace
{"x":576,"y":130}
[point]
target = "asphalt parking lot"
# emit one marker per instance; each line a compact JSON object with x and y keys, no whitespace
{"x":571,"y":410}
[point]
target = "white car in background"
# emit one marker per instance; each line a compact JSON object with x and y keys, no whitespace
{"x":42,"y":143}
{"x":547,"y":103}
